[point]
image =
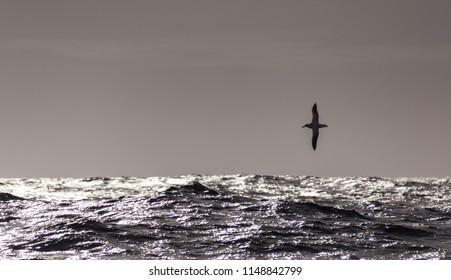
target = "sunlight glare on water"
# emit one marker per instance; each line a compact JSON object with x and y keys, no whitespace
{"x":225,"y":217}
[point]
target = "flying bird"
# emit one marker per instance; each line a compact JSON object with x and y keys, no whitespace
{"x":315,"y":126}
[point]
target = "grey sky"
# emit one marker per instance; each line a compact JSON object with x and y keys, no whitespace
{"x":149,"y":88}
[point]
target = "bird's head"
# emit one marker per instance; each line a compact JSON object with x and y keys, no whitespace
{"x":306,"y":125}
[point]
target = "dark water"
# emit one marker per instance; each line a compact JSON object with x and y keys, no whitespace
{"x":225,"y":217}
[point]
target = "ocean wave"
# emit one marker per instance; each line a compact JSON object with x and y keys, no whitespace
{"x":233,"y":217}
{"x":8,"y":197}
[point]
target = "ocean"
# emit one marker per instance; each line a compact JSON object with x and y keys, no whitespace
{"x":225,"y":217}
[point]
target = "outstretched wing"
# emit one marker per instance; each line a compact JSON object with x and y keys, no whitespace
{"x":315,"y":137}
{"x":315,"y":114}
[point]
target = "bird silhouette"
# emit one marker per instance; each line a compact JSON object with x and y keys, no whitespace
{"x":315,"y":126}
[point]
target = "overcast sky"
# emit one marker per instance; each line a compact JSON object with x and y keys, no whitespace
{"x":156,"y":88}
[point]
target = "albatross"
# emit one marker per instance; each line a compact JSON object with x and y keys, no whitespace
{"x":315,"y":126}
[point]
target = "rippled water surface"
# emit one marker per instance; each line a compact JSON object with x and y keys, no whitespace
{"x":225,"y":217}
